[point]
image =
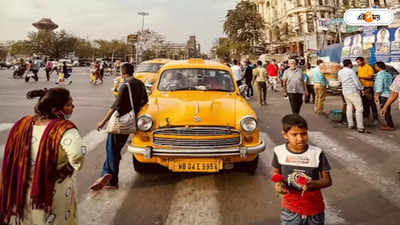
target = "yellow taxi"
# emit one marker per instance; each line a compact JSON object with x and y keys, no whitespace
{"x":147,"y":71}
{"x":196,"y":121}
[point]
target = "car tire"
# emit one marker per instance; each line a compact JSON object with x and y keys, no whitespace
{"x":145,"y":168}
{"x":249,"y":167}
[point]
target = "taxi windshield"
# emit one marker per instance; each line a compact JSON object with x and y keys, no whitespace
{"x":196,"y":79}
{"x":149,"y":67}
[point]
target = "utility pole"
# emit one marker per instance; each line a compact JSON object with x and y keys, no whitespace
{"x":143,"y":14}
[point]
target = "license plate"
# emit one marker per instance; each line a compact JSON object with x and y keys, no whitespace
{"x":195,"y":165}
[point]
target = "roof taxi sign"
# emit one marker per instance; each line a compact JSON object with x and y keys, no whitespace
{"x":368,"y":17}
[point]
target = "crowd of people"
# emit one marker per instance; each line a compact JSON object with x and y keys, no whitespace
{"x":363,"y":88}
{"x":31,"y":68}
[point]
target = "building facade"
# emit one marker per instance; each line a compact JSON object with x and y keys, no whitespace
{"x":292,"y":26}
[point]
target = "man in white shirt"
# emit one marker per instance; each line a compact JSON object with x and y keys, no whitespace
{"x":237,"y":72}
{"x":351,"y":88}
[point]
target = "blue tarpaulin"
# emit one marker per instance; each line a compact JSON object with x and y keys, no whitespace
{"x":333,"y":51}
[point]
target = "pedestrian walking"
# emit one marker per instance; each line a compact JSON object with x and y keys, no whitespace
{"x":115,"y":142}
{"x":320,"y":84}
{"x":42,"y":155}
{"x":310,"y":85}
{"x":366,"y":76}
{"x":294,"y":86}
{"x":248,"y":76}
{"x":351,"y":88}
{"x":382,"y":85}
{"x":101,"y":74}
{"x":48,"y":68}
{"x":395,"y":88}
{"x":36,"y":68}
{"x":237,"y":72}
{"x":260,"y":77}
{"x":272,"y":70}
{"x":304,"y":171}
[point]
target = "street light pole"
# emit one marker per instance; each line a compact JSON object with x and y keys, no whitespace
{"x":143,"y":14}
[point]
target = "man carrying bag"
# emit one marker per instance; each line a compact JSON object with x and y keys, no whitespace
{"x":122,"y":122}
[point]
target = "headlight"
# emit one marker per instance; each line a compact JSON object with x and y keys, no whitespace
{"x":248,"y":124}
{"x":148,"y":81}
{"x":144,"y":123}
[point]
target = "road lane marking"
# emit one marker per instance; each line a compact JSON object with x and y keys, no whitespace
{"x":5,"y":126}
{"x":102,"y":207}
{"x":385,"y":145}
{"x":195,"y":202}
{"x":386,"y":186}
{"x":93,"y":139}
{"x":332,"y":215}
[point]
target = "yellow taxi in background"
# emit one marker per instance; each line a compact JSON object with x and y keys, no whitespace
{"x":147,"y":71}
{"x":196,"y":121}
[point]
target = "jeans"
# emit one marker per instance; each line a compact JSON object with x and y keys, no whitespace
{"x":354,"y":100}
{"x":114,"y":145}
{"x":388,"y":116}
{"x":320,"y":95}
{"x":48,"y":70}
{"x":262,"y":91}
{"x":250,"y":91}
{"x":369,"y":103}
{"x":296,"y":101}
{"x":311,"y":94}
{"x":291,"y":218}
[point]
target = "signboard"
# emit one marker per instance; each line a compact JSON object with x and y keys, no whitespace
{"x":356,"y":48}
{"x":132,"y":38}
{"x":322,"y":25}
{"x":346,"y":48}
{"x":395,"y":45}
{"x":383,"y":45}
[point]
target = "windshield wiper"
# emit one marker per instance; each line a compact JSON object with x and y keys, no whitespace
{"x":179,"y":89}
{"x":215,"y":89}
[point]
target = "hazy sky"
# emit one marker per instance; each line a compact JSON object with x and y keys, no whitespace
{"x":114,"y":19}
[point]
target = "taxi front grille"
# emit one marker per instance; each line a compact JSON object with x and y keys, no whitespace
{"x":173,"y":142}
{"x":197,"y":131}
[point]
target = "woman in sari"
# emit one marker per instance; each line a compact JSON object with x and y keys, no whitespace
{"x":43,"y":151}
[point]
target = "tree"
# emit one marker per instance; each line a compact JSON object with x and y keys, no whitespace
{"x":244,"y":26}
{"x":83,"y":49}
{"x":53,"y":44}
{"x":20,"y":48}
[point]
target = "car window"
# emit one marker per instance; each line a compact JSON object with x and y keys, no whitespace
{"x":196,"y":79}
{"x":148,"y":67}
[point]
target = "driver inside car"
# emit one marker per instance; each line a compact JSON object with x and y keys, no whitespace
{"x":172,"y":81}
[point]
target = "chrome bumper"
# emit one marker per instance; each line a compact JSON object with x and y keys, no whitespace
{"x":149,"y":152}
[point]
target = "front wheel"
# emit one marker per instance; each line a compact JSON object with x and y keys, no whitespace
{"x":250,"y":166}
{"x":143,"y":168}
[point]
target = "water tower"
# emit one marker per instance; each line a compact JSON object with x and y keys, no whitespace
{"x":45,"y":24}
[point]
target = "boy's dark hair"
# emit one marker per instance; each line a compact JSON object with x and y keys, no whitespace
{"x":293,"y":120}
{"x":235,"y":62}
{"x":259,"y":63}
{"x":381,"y":65}
{"x":127,"y":68}
{"x":360,"y":58}
{"x":347,"y":62}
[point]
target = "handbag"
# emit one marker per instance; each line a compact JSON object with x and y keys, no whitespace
{"x":125,"y":124}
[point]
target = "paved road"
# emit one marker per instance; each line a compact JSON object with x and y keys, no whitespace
{"x":365,"y":172}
